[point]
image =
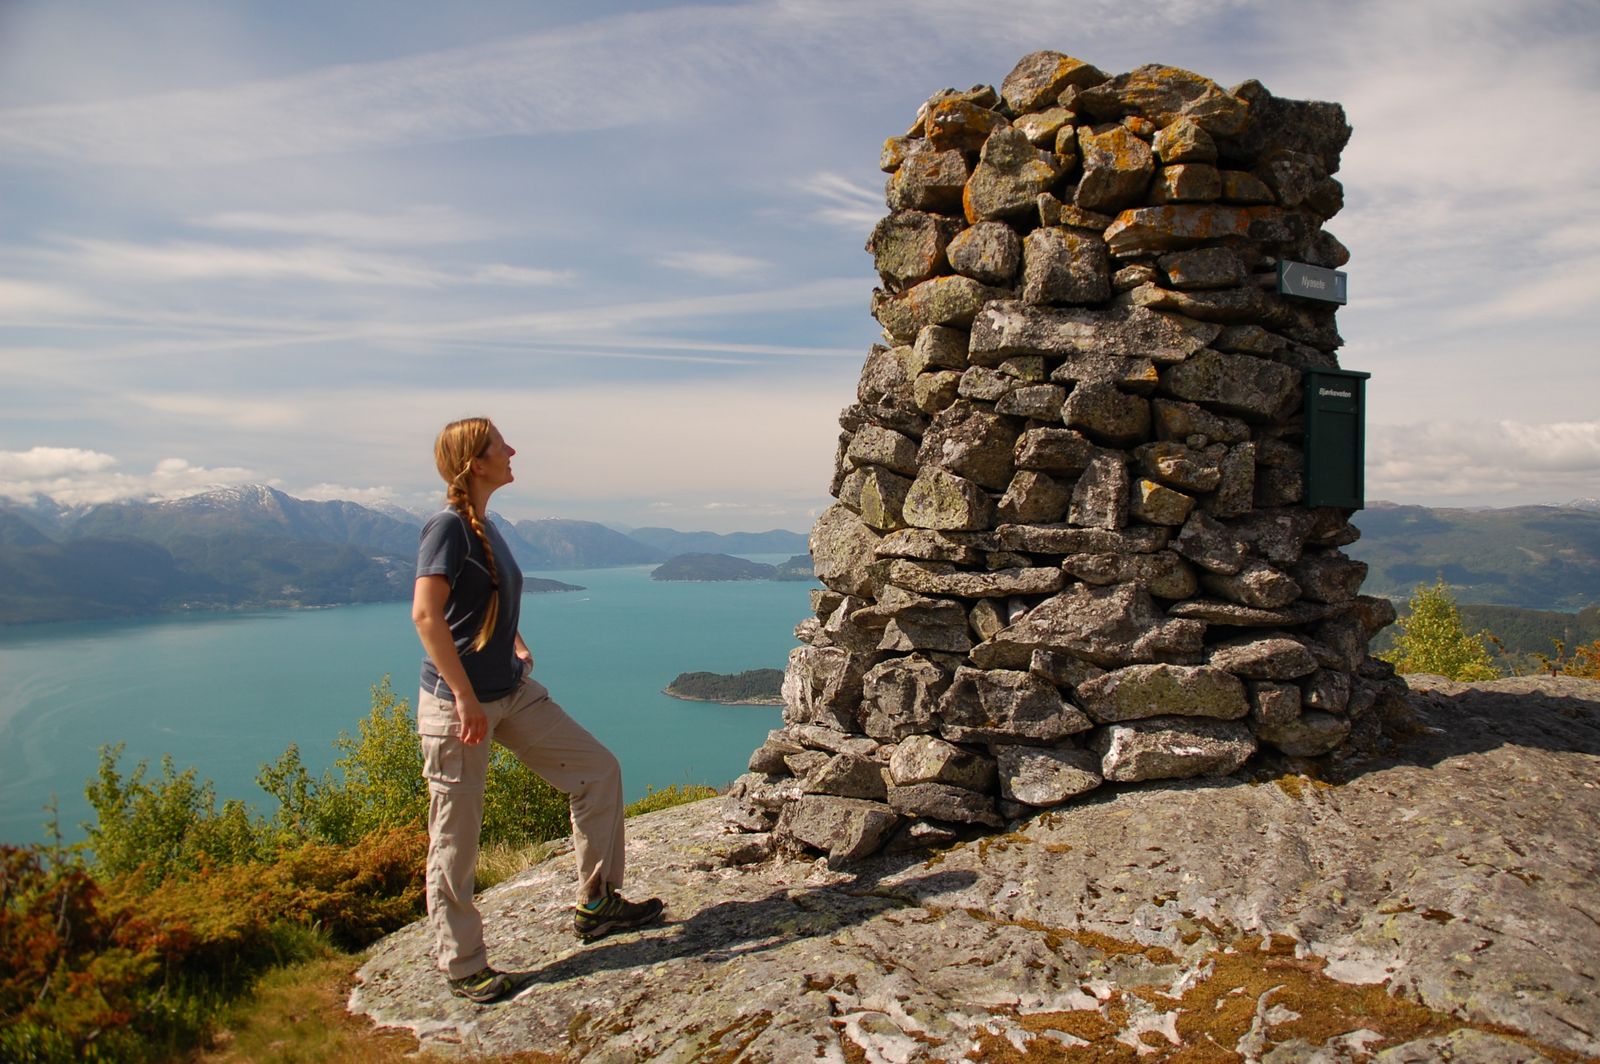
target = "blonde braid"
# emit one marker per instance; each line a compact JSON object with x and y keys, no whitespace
{"x":470,"y":436}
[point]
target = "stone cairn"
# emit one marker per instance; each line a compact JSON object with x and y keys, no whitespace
{"x":1069,"y":545}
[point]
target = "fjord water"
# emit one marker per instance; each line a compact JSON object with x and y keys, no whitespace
{"x":224,"y":693}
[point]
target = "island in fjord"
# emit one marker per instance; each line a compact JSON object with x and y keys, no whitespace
{"x":757,"y":687}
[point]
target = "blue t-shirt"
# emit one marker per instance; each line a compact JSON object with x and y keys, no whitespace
{"x":449,"y":548}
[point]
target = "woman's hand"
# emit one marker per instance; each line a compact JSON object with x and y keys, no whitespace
{"x":471,"y":720}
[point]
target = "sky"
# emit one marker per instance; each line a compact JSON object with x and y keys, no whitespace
{"x":284,"y":242}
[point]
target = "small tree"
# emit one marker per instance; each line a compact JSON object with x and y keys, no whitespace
{"x":1432,"y":640}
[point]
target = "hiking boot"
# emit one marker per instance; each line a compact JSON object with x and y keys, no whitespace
{"x":484,"y":986}
{"x":614,"y":913}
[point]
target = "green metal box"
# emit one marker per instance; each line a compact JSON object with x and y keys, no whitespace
{"x":1336,"y":417}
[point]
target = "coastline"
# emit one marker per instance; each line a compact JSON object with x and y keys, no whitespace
{"x":670,"y":693}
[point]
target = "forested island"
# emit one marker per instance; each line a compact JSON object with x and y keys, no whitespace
{"x":757,"y":687}
{"x":714,"y":567}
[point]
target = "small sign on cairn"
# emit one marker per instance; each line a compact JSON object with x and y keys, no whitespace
{"x":1070,"y":545}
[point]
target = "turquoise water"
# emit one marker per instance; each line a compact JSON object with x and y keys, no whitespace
{"x":226,"y":692}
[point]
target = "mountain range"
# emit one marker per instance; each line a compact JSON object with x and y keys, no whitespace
{"x":258,"y":547}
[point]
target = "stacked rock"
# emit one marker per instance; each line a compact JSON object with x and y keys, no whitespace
{"x":1069,"y":545}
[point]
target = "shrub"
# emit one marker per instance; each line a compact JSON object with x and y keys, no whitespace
{"x":1432,"y":640}
{"x":163,"y":826}
{"x":667,"y":797}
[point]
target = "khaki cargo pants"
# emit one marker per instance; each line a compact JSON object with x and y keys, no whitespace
{"x":541,"y":735}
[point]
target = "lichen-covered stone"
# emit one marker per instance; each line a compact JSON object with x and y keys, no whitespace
{"x":848,"y":776}
{"x":1165,"y":94}
{"x":1062,"y":266}
{"x":1255,"y":584}
{"x":1273,"y":703}
{"x":1039,"y":78}
{"x":1051,"y":450}
{"x":1043,"y":128}
{"x":929,"y":546}
{"x":989,"y":252}
{"x":1180,"y":466}
{"x":822,"y":685}
{"x":846,"y":829}
{"x":941,"y":801}
{"x":1157,"y":504}
{"x":1179,"y":421}
{"x":1263,"y":657}
{"x":1183,"y":141}
{"x":969,"y":441}
{"x":1106,"y":413}
{"x":1108,"y":626}
{"x":939,"y":499}
{"x":1139,"y":691}
{"x":937,"y":578}
{"x":932,"y":392}
{"x":879,"y":497}
{"x":1203,"y":268}
{"x":908,"y":247}
{"x":1330,"y":577}
{"x":841,"y":548}
{"x":1004,"y":328}
{"x":950,"y":300}
{"x":938,"y":347}
{"x":1042,"y":402}
{"x":1034,"y":497}
{"x":927,"y":759}
{"x":1054,"y":540}
{"x":1010,"y":175}
{"x":928,"y":181}
{"x":1311,"y":734}
{"x":985,"y":383}
{"x":1100,"y":496}
{"x":1328,"y":690}
{"x":932,"y":625}
{"x":1004,"y":705}
{"x":1117,"y":167}
{"x":960,"y":125}
{"x":1045,"y":776}
{"x":1238,"y":384}
{"x":875,"y":445}
{"x":1161,"y":748}
{"x":1186,"y":183}
{"x":901,"y":697}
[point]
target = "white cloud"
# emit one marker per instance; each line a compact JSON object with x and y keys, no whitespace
{"x":1468,"y":463}
{"x":79,"y":478}
{"x":521,"y":275}
{"x":725,"y":265}
{"x":24,"y":301}
{"x":40,"y":462}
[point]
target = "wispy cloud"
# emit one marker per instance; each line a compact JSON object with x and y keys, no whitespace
{"x":412,"y":226}
{"x":843,"y":202}
{"x":724,"y":265}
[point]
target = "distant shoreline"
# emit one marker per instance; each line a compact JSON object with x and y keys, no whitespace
{"x":670,"y":693}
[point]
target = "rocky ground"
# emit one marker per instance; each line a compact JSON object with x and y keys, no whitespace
{"x":1436,"y":902}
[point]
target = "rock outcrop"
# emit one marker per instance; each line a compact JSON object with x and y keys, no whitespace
{"x":1435,"y":901}
{"x":1070,"y":536}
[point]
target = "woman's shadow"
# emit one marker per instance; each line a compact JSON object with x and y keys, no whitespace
{"x":731,"y":929}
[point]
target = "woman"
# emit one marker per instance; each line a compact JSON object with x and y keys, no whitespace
{"x":476,"y":687}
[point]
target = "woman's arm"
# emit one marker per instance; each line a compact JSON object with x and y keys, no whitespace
{"x":427,"y":613}
{"x":523,"y":652}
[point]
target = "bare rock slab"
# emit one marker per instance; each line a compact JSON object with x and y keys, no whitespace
{"x":1138,"y":892}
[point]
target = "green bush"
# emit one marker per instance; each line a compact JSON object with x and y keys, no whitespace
{"x":163,"y":826}
{"x":1431,"y":639}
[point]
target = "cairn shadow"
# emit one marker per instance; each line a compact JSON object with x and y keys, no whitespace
{"x":736,"y":928}
{"x":1441,"y":724}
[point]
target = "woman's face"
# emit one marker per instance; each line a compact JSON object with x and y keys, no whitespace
{"x":493,"y":466}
